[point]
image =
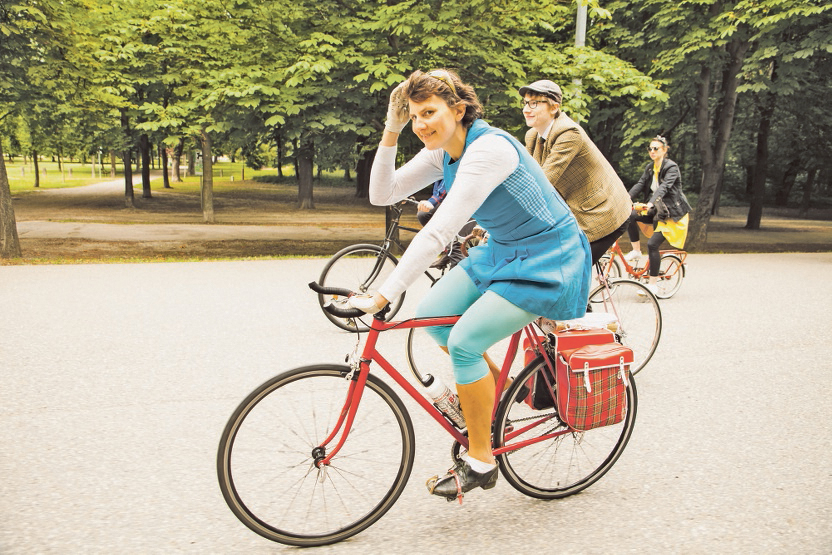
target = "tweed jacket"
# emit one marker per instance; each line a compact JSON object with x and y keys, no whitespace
{"x":669,"y":189}
{"x":582,"y":176}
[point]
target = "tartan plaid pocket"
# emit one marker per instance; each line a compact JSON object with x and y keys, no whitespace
{"x":597,"y":378}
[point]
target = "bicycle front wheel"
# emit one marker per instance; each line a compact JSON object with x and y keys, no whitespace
{"x":267,"y":453}
{"x":636,"y":311}
{"x":671,"y":273}
{"x":611,"y":268}
{"x":554,"y":461}
{"x":358,"y":268}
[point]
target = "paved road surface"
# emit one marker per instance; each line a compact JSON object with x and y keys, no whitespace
{"x":117,"y":381}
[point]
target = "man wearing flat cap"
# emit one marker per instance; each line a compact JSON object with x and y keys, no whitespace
{"x":575,"y":167}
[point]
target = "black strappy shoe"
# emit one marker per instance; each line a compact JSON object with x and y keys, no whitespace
{"x":461,"y":479}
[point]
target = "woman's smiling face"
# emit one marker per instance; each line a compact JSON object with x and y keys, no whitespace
{"x":435,"y":123}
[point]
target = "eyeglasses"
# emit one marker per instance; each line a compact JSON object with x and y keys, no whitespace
{"x":445,"y":77}
{"x":652,"y":148}
{"x":532,"y":104}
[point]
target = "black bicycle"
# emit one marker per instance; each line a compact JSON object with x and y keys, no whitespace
{"x":366,"y":266}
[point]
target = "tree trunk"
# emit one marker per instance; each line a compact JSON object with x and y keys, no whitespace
{"x":749,"y":179}
{"x":207,"y":189}
{"x":758,"y":187}
{"x":279,"y":162}
{"x":787,"y":184}
{"x":126,"y":157}
{"x":128,"y":179}
{"x":177,"y":160}
{"x":192,"y":162}
{"x":9,"y":240}
{"x":304,"y":162}
{"x":112,"y":163}
{"x":713,"y":157}
{"x":388,"y":219}
{"x":717,"y":197}
{"x":37,"y":169}
{"x":295,"y":149}
{"x":807,"y":193}
{"x":347,"y":176}
{"x":362,"y":174}
{"x":163,"y":154}
{"x":144,"y":150}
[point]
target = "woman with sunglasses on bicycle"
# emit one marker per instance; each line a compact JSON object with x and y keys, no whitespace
{"x":536,"y":261}
{"x":575,"y":167}
{"x":661,"y":183}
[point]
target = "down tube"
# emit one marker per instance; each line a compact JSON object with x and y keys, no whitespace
{"x":425,"y":404}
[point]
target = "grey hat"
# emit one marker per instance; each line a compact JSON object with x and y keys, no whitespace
{"x":544,"y":87}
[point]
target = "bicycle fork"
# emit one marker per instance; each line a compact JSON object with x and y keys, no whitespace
{"x":346,"y":418}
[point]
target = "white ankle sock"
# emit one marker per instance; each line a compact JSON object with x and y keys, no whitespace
{"x":478,"y":465}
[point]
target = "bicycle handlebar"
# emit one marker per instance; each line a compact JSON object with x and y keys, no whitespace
{"x":332,"y":309}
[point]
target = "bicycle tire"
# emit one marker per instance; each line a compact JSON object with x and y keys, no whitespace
{"x":614,"y":269}
{"x":354,"y":268}
{"x":424,"y":356}
{"x":637,"y":312}
{"x":564,"y":465}
{"x":265,"y":460}
{"x":671,"y":274}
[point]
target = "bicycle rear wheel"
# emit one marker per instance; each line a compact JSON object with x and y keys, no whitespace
{"x":559,"y":466}
{"x":358,"y":268}
{"x":671,"y":273}
{"x":637,"y":313}
{"x":266,"y":457}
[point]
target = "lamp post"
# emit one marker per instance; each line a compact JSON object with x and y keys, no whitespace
{"x":580,"y":38}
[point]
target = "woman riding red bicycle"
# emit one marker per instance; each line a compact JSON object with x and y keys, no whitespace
{"x":536,"y":261}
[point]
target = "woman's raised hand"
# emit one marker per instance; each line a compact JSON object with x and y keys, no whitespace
{"x":397,"y":110}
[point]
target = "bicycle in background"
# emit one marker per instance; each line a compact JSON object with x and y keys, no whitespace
{"x":671,"y":269}
{"x":364,"y":266}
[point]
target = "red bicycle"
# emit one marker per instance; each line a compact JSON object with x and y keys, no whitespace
{"x":319,"y":453}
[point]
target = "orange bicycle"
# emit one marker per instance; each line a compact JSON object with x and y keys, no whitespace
{"x":671,"y":269}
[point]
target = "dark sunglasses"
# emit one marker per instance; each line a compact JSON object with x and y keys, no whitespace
{"x":652,"y":148}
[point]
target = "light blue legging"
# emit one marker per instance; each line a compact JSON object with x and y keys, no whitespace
{"x":486,"y":319}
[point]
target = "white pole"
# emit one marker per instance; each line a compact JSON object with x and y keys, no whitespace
{"x":580,"y":25}
{"x":580,"y":38}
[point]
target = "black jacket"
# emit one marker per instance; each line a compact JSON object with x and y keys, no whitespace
{"x":669,"y":189}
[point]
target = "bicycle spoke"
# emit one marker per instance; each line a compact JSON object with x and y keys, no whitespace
{"x":267,"y":459}
{"x":550,"y":467}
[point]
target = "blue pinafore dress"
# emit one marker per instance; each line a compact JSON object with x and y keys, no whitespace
{"x":536,"y":256}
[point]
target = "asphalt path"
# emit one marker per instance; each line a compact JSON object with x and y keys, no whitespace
{"x":780,"y":232}
{"x":118,"y":380}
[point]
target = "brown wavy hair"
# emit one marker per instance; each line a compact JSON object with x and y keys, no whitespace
{"x":447,"y":85}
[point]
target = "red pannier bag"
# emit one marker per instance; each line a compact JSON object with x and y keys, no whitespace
{"x":540,"y":392}
{"x":592,"y":385}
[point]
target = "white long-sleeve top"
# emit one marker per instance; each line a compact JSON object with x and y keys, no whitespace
{"x":486,"y":163}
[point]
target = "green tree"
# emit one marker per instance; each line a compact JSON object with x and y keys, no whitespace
{"x":38,"y":57}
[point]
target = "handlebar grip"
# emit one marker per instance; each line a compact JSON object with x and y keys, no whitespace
{"x":340,"y":291}
{"x":331,"y":308}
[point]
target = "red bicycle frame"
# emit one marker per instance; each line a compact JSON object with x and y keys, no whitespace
{"x":370,"y":354}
